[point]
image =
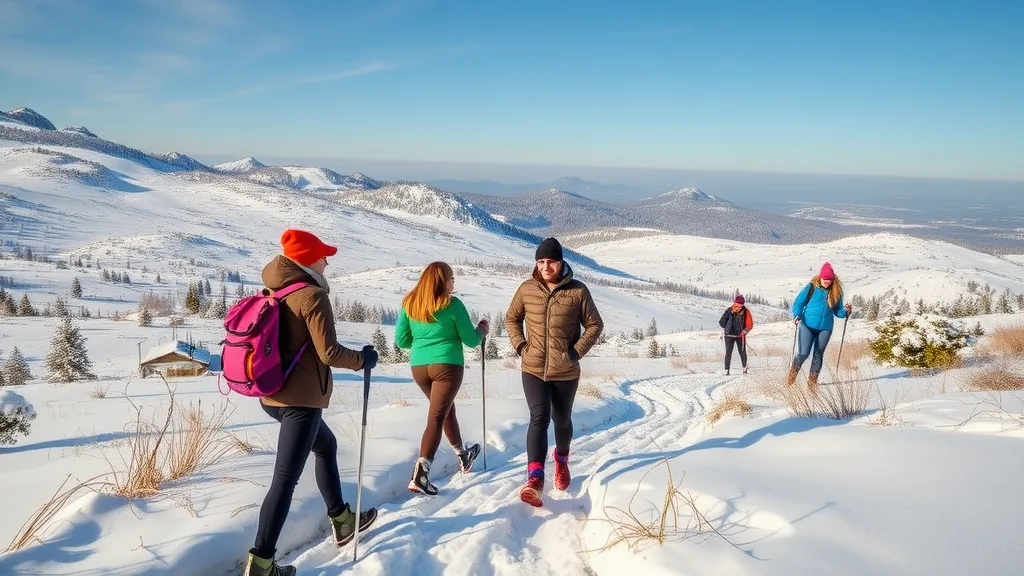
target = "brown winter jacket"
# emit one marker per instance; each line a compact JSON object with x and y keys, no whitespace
{"x":553,"y":346}
{"x":306,"y":315}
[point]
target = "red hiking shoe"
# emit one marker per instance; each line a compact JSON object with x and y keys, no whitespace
{"x":531,"y":492}
{"x":562,"y":476}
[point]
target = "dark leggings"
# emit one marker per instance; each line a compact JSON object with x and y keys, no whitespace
{"x":741,"y":345}
{"x":811,"y":339}
{"x":440,"y":383}
{"x":548,"y":401}
{"x":302,"y":431}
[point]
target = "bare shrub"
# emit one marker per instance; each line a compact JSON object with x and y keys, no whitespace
{"x":589,"y":390}
{"x":157,"y":304}
{"x":731,"y":403}
{"x":838,"y":400}
{"x":998,"y":378}
{"x":99,"y":391}
{"x":199,"y":440}
{"x":854,"y":352}
{"x":1007,"y":341}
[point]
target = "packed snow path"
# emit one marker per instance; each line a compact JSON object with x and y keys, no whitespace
{"x":477,"y":525}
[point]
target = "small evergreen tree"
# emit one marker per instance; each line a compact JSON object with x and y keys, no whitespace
{"x":145,"y":318}
{"x":157,"y":279}
{"x":25,"y":307}
{"x":76,"y":288}
{"x":1003,"y":305}
{"x":15,"y":417}
{"x":7,"y":305}
{"x":492,"y":349}
{"x":207,"y":289}
{"x":60,"y":308}
{"x":653,"y":349}
{"x":68,"y":359}
{"x":652,"y":328}
{"x":192,"y":301}
{"x":380,"y":342}
{"x":15,"y":369}
{"x":106,"y":275}
{"x":398,"y":356}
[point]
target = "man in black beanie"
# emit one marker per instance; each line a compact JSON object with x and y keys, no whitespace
{"x":549,"y":249}
{"x":553,"y":306}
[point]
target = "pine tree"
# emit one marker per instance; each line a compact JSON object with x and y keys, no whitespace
{"x":3,"y":381}
{"x":206,"y":288}
{"x":145,"y":318}
{"x":240,"y":290}
{"x":68,"y":360}
{"x":219,"y":308}
{"x":380,"y":342}
{"x":652,"y":328}
{"x":106,"y":275}
{"x":1003,"y":305}
{"x":357,"y":313}
{"x":15,"y":369}
{"x":492,"y":349}
{"x":398,"y":356}
{"x":7,"y":305}
{"x":192,"y":302}
{"x":653,"y":349}
{"x":60,"y":309}
{"x":76,"y":288}
{"x":158,"y":278}
{"x":25,"y":307}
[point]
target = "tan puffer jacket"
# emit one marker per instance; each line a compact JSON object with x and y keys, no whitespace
{"x":553,"y":344}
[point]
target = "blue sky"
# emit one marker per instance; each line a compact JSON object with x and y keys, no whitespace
{"x":890,"y":88}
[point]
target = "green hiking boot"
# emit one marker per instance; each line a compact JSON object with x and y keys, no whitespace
{"x":344,"y":525}
{"x":256,"y":566}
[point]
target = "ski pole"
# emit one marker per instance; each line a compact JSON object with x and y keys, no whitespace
{"x":483,"y":396}
{"x":362,"y":451}
{"x":792,"y":350}
{"x":841,"y":339}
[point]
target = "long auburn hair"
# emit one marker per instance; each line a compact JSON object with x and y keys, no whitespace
{"x":835,"y":291}
{"x":430,"y":293}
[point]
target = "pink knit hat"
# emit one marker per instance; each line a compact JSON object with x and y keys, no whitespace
{"x":827,"y":273}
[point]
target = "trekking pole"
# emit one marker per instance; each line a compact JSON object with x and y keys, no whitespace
{"x":483,"y":396}
{"x":841,"y":339}
{"x":792,"y":349}
{"x":362,"y":451}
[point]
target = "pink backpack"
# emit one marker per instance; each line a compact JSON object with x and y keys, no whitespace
{"x":251,"y":356}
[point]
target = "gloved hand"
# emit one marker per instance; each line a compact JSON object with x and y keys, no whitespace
{"x":796,"y":320}
{"x":370,"y":357}
{"x":482,"y":328}
{"x":849,"y":308}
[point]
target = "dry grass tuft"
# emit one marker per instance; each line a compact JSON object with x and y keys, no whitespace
{"x":1007,"y":341}
{"x":31,"y":530}
{"x":854,"y":351}
{"x":589,"y":390}
{"x":664,"y":524}
{"x":839,"y":400}
{"x":731,"y":403}
{"x":199,"y":441}
{"x":99,"y":391}
{"x":998,"y":378}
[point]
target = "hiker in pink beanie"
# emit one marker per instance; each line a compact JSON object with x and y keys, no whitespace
{"x":736,"y":322}
{"x":814,"y":311}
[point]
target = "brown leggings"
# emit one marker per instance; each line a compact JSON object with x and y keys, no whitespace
{"x":440,"y":383}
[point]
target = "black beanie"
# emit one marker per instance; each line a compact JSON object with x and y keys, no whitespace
{"x":550,"y":249}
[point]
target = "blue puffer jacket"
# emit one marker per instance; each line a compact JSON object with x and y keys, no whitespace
{"x":816,"y":314}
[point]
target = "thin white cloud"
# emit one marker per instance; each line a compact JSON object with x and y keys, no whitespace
{"x":184,"y":107}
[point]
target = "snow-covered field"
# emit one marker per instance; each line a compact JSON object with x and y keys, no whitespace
{"x":923,"y":482}
{"x":872,"y":265}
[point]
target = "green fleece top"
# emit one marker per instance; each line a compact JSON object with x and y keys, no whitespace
{"x":440,"y":341}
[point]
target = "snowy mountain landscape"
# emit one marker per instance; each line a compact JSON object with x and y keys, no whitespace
{"x":678,"y":468}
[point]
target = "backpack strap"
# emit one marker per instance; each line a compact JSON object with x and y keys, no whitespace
{"x":283,"y":292}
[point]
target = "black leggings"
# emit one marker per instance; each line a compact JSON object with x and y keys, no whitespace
{"x":741,"y":345}
{"x":548,"y":401}
{"x":302,"y":431}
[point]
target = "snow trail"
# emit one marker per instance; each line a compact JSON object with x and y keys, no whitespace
{"x":477,"y":525}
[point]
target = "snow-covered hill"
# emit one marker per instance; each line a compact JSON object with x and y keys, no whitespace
{"x":886,"y":265}
{"x":297,"y":177}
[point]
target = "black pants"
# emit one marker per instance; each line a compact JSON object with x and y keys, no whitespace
{"x":548,"y":401}
{"x":741,"y":345}
{"x":303,"y":430}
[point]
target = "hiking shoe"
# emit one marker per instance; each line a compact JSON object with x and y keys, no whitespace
{"x":344,"y":525}
{"x":562,"y":476}
{"x":421,"y":478}
{"x":467,"y":457}
{"x":725,"y":372}
{"x":745,"y":370}
{"x":812,"y":383}
{"x":256,"y":566}
{"x":531,"y":492}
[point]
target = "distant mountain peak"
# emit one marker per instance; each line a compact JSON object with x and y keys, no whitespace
{"x":691,"y":193}
{"x":243,"y":166}
{"x":80,"y":130}
{"x":31,"y":117}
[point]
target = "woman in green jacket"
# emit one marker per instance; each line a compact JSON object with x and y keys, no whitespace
{"x":435,"y":325}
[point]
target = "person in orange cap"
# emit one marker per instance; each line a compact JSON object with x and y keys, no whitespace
{"x":306,"y":318}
